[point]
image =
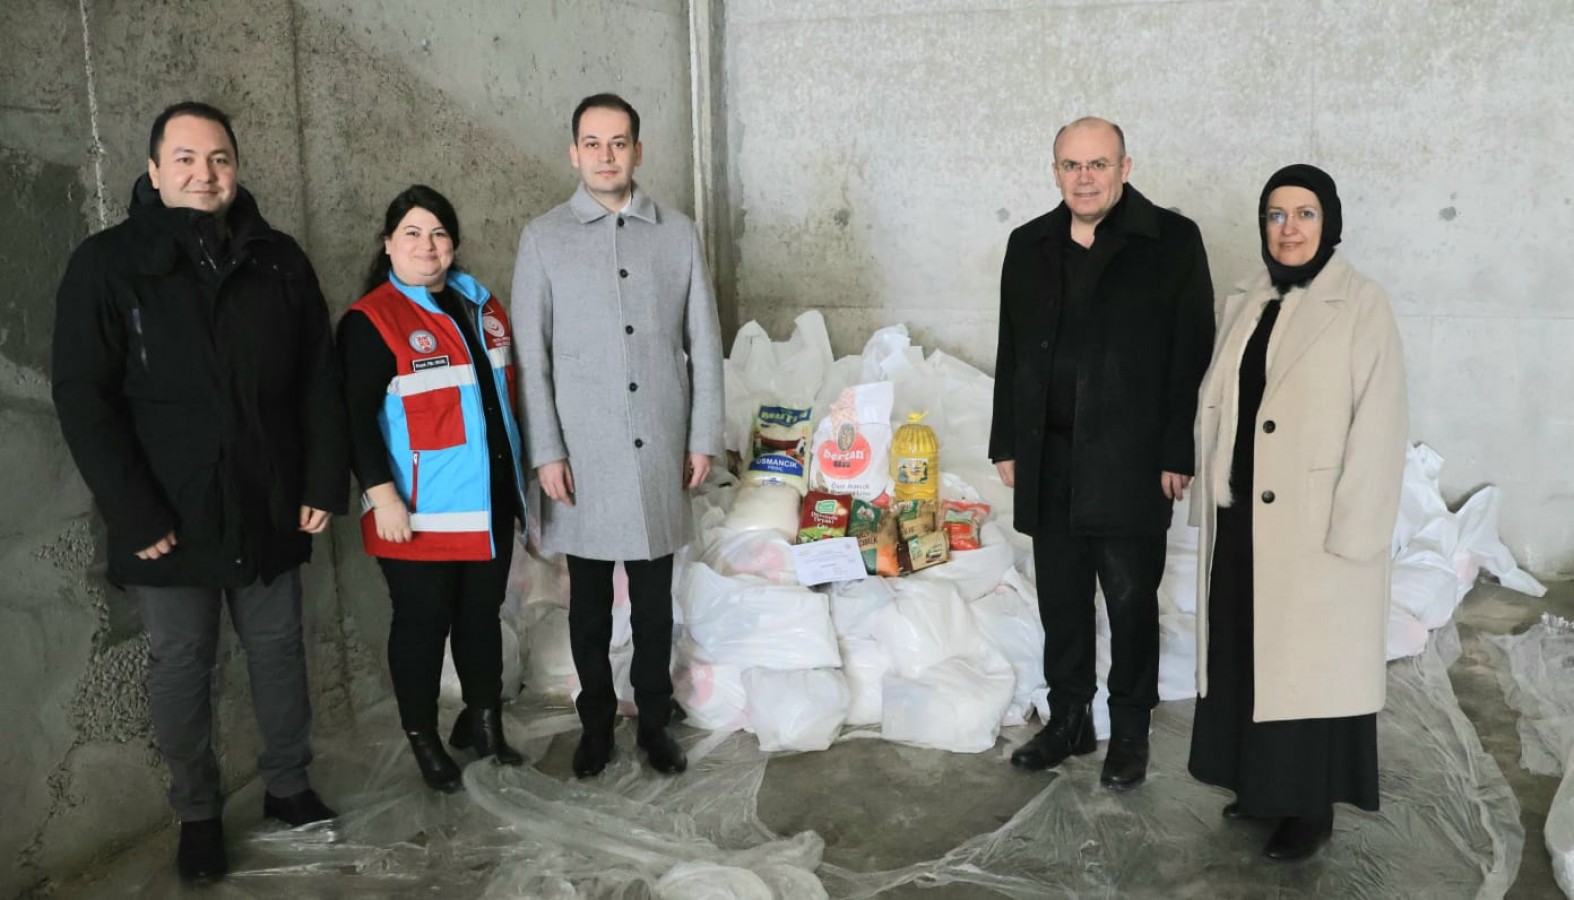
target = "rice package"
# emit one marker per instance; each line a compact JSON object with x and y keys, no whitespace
{"x":779,"y":447}
{"x":851,"y":451}
{"x":864,"y":524}
{"x":824,"y":516}
{"x":962,"y":522}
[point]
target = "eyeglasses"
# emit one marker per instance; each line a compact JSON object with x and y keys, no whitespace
{"x":1303,"y":216}
{"x":1072,"y":167}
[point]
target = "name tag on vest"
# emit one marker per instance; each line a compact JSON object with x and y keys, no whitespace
{"x":431,"y":362}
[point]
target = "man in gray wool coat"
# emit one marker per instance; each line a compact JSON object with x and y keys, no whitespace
{"x":619,"y":353}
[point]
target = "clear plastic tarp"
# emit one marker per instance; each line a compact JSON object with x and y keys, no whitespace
{"x":1449,"y":826}
{"x":1537,"y":674}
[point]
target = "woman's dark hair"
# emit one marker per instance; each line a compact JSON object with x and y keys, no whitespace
{"x":416,"y":196}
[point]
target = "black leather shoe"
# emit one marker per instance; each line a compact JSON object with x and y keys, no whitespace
{"x":481,"y":730}
{"x":438,"y":769}
{"x":1233,"y":811}
{"x":663,"y":751}
{"x":1125,"y":763}
{"x":297,"y":810}
{"x":1069,"y":733}
{"x":593,"y":753}
{"x":1298,"y":837}
{"x":201,"y":853}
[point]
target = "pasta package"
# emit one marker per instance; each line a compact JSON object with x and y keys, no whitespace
{"x":962,"y":522}
{"x":864,"y":524}
{"x":927,"y":550}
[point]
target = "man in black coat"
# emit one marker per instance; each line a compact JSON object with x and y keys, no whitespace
{"x":194,"y":380}
{"x":1106,"y":327}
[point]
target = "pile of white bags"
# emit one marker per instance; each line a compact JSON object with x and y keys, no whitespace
{"x":944,"y":657}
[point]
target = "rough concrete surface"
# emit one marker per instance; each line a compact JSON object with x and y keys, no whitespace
{"x":881,"y":153}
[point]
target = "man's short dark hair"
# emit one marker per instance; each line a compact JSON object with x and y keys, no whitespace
{"x":606,"y":101}
{"x":189,"y":108}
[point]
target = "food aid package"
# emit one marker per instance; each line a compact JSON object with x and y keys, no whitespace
{"x":824,"y":516}
{"x":851,"y":452}
{"x":751,"y":622}
{"x":549,"y":663}
{"x":711,"y":694}
{"x":1011,"y":624}
{"x":853,"y":604}
{"x":798,"y":710}
{"x":963,"y":523}
{"x":779,"y":447}
{"x":954,"y":705}
{"x":864,"y":664}
{"x":765,"y":554}
{"x":926,"y":623}
{"x":864,"y":524}
{"x":758,"y":507}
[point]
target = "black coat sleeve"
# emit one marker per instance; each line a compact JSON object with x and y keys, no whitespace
{"x":1192,"y":347}
{"x":326,"y":464}
{"x":368,"y":366}
{"x":1002,"y":429}
{"x":91,"y":348}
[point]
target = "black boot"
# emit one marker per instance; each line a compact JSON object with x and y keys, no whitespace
{"x":663,"y":751}
{"x":1125,"y":763}
{"x":1298,"y":837}
{"x":438,"y":769}
{"x":201,"y":854}
{"x":593,"y":753}
{"x":297,"y":809}
{"x":1069,"y":733}
{"x":482,"y":731}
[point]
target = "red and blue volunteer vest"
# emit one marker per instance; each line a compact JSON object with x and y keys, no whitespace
{"x":433,"y":422}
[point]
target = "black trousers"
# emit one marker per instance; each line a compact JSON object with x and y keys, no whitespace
{"x":434,"y":602}
{"x":590,"y":639}
{"x":1129,"y":569}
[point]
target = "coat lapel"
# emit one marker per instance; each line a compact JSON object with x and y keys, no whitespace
{"x":1321,"y":305}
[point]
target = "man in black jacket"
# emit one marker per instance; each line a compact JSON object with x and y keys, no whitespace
{"x":194,"y":380}
{"x":1106,"y":327}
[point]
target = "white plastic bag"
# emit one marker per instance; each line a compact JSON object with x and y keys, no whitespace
{"x":751,"y":622}
{"x":797,"y":710}
{"x":765,"y":554}
{"x":954,"y":705}
{"x":1011,"y":625}
{"x":853,"y":604}
{"x":864,"y":664}
{"x":549,"y":662}
{"x":711,"y":694}
{"x":925,"y":624}
{"x":711,"y":881}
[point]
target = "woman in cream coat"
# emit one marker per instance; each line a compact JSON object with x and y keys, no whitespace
{"x":1302,"y":426}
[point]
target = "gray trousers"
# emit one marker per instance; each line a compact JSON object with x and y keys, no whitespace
{"x":183,"y":635}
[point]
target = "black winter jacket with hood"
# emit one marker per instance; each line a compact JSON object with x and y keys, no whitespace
{"x":195,"y":382}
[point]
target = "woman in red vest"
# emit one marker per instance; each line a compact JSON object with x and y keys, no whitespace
{"x":429,"y":384}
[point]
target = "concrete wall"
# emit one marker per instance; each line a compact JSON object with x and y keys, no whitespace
{"x":880,"y":153}
{"x":338,"y":105}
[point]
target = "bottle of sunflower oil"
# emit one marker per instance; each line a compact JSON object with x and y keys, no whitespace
{"x":915,"y":460}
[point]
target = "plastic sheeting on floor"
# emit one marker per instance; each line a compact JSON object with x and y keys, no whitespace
{"x":1537,"y":682}
{"x":1449,"y":827}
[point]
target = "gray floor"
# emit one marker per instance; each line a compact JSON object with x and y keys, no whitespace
{"x":880,"y":806}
